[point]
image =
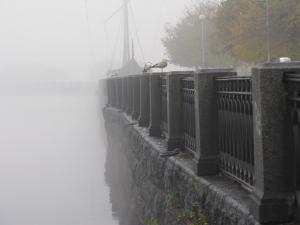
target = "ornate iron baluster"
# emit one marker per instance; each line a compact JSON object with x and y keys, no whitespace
{"x":164,"y":122}
{"x":188,"y":110}
{"x":293,"y":84}
{"x":234,"y":102}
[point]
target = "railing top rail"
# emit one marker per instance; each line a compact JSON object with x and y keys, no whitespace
{"x":216,"y":70}
{"x":235,"y":92}
{"x":124,"y":76}
{"x":190,"y":72}
{"x":292,"y":77}
{"x":229,"y":78}
{"x":295,"y":99}
{"x":188,"y":78}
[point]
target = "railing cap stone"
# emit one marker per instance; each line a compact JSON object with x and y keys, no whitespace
{"x":215,"y":70}
{"x":275,"y":65}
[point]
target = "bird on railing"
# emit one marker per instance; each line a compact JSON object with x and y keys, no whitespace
{"x":147,"y":67}
{"x":161,"y":65}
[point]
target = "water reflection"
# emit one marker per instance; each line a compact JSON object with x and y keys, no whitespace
{"x":52,"y":161}
{"x":118,"y":177}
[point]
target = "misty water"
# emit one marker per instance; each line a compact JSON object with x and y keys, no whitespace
{"x":52,"y":161}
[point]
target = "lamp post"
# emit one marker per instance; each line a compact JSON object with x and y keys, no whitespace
{"x":268,"y":30}
{"x":202,"y":19}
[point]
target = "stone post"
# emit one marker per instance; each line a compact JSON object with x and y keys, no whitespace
{"x":155,"y":104}
{"x":207,"y":153}
{"x":113,"y":92}
{"x":128,"y":84}
{"x":144,"y":101}
{"x":273,"y":194}
{"x":124,"y":94}
{"x":136,"y":97}
{"x":127,"y":95}
{"x":118,"y":92}
{"x":131,"y":96}
{"x":108,"y":89}
{"x":174,"y":134}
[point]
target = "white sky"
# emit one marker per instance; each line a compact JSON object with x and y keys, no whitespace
{"x":55,"y":33}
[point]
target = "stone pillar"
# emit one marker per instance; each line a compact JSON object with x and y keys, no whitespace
{"x":136,"y":97}
{"x":273,"y":194}
{"x":207,"y":153}
{"x":113,"y":92}
{"x":174,"y":134}
{"x":108,"y":89}
{"x":118,"y":92}
{"x":144,"y":101}
{"x":155,"y":104}
{"x":130,"y":95}
{"x":124,"y":94}
{"x":128,"y":84}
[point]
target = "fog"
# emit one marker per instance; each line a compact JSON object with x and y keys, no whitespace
{"x":56,"y":35}
{"x":54,"y":52}
{"x":52,"y":139}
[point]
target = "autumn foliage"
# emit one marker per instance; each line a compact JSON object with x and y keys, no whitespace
{"x":236,"y":28}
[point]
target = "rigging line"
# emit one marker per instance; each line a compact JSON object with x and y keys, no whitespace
{"x":89,"y":33}
{"x":137,"y":33}
{"x":86,"y":10}
{"x":106,"y":47}
{"x":115,"y":45}
{"x":114,"y":13}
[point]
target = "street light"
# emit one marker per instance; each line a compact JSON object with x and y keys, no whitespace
{"x":202,"y":19}
{"x":268,"y":30}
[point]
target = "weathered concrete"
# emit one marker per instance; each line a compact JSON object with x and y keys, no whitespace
{"x":144,"y":101}
{"x":136,"y":97}
{"x":174,"y":125}
{"x":154,"y":180}
{"x":155,"y":104}
{"x":207,"y":120}
{"x":274,"y":188}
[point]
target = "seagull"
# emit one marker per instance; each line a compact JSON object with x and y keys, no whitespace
{"x":161,"y":65}
{"x":147,"y":67}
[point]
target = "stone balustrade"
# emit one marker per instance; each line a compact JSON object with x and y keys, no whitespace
{"x":239,"y":127}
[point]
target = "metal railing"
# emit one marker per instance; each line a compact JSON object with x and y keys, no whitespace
{"x":136,"y":97}
{"x":119,"y":92}
{"x":188,"y":113}
{"x":113,"y":94}
{"x":235,"y":118}
{"x":293,"y":86}
{"x":293,"y":81}
{"x":131,"y":95}
{"x":164,"y":105}
{"x":124,"y":93}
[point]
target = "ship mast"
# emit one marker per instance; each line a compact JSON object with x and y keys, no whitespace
{"x":126,"y":47}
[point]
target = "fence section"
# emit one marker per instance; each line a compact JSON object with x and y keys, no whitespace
{"x":235,"y":118}
{"x":293,"y":81}
{"x":293,"y":86}
{"x":136,"y":97}
{"x":119,"y":92}
{"x":188,"y":113}
{"x":164,"y":105}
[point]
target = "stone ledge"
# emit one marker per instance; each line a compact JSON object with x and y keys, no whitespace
{"x":223,"y":200}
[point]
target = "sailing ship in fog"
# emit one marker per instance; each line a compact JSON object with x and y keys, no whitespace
{"x":129,"y":64}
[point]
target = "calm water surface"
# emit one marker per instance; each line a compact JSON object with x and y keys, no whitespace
{"x":52,"y":162}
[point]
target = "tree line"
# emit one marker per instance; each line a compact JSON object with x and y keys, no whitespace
{"x":236,"y":32}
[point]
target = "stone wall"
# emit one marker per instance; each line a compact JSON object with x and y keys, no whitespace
{"x":148,"y":189}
